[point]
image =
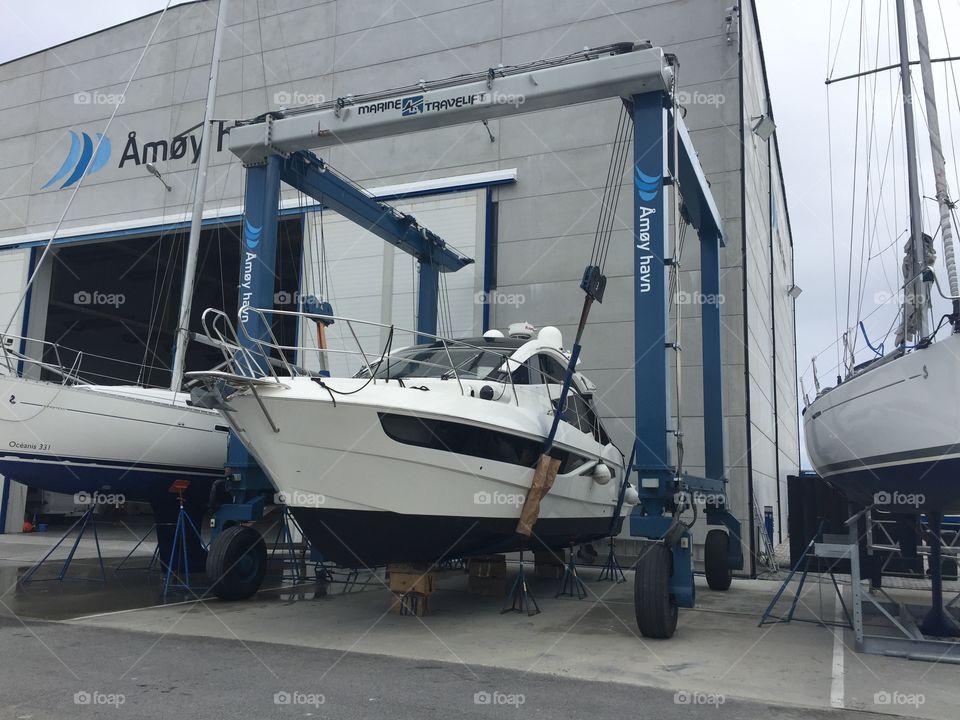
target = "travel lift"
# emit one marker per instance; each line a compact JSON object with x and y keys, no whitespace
{"x":273,"y":149}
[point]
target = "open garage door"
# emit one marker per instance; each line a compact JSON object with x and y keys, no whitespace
{"x":113,"y":305}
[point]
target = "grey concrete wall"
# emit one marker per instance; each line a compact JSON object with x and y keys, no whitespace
{"x":303,"y":50}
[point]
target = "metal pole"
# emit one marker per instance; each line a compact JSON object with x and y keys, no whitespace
{"x":917,"y":288}
{"x":936,"y":151}
{"x":193,"y":244}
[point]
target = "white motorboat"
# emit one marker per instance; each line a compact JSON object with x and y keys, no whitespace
{"x":429,"y":452}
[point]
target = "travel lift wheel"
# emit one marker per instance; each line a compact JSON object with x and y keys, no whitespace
{"x":654,"y":604}
{"x":236,"y":563}
{"x":715,"y":564}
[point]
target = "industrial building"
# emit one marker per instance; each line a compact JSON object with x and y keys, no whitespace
{"x":519,"y":195}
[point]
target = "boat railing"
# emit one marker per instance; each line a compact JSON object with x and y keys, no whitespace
{"x":15,"y":360}
{"x":30,"y":358}
{"x":264,"y":356}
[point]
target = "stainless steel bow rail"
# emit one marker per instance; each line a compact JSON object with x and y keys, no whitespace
{"x":264,"y":360}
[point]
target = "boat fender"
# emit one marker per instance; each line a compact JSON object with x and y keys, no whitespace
{"x":486,"y":393}
{"x":601,"y":474}
{"x":631,"y":496}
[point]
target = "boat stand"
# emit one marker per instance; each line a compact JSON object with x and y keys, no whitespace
{"x":814,"y":550}
{"x":611,"y":570}
{"x":290,"y":558}
{"x":570,"y":583}
{"x":87,"y":520}
{"x":915,"y":641}
{"x":939,"y":622}
{"x":180,"y":547}
{"x":520,"y":597}
{"x":156,"y":551}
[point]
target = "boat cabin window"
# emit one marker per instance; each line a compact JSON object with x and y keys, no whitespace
{"x":526,"y":374}
{"x":576,"y":412}
{"x":581,"y":415}
{"x":553,"y":371}
{"x":430,"y":361}
{"x":596,"y":427}
{"x":537,"y":369}
{"x":465,"y":439}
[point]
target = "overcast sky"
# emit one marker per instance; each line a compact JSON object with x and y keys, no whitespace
{"x":861,"y":213}
{"x":868,"y":215}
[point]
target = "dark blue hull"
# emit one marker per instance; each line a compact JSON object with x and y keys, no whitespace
{"x":71,"y":475}
{"x":918,"y":487}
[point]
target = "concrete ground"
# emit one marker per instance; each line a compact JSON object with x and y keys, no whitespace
{"x":577,"y":658}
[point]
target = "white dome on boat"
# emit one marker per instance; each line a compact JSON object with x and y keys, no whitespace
{"x":551,"y":336}
{"x":521,"y":330}
{"x":493,"y":334}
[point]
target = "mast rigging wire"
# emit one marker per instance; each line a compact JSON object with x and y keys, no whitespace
{"x":76,"y":188}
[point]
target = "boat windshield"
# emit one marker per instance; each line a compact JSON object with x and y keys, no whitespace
{"x":429,"y":361}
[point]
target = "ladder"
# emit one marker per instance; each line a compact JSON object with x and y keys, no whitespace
{"x":767,"y":556}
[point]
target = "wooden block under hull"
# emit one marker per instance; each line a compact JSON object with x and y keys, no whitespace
{"x":488,"y":566}
{"x":410,"y":603}
{"x":411,"y":578}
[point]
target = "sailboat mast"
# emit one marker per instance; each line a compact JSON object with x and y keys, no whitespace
{"x":196,"y":219}
{"x":915,"y":295}
{"x":936,"y":150}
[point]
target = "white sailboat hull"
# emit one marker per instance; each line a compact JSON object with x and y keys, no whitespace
{"x":891,"y":435}
{"x":126,"y":440}
{"x":365,"y":497}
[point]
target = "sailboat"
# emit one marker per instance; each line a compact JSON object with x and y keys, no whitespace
{"x":888,"y":434}
{"x":71,"y":436}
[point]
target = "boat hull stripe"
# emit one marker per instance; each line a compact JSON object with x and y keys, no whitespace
{"x":6,"y":456}
{"x":931,"y":453}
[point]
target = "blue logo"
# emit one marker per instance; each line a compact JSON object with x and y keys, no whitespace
{"x":81,"y":159}
{"x":412,"y":105}
{"x":252,"y":234}
{"x":647,"y":186}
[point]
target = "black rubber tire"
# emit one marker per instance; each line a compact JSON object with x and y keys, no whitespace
{"x":715,"y":566}
{"x":654,"y":604}
{"x":236,"y":563}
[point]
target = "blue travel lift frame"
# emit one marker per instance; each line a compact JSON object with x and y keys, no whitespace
{"x":656,"y":517}
{"x":659,"y":488}
{"x":304,"y":171}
